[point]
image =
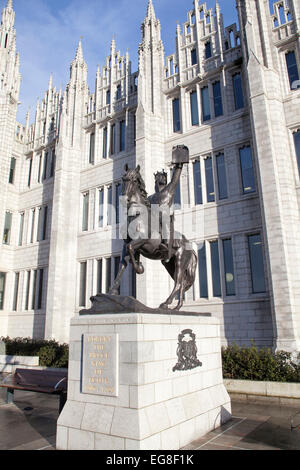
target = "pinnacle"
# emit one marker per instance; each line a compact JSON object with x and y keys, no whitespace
{"x":79,"y":52}
{"x":10,"y":4}
{"x":150,"y":10}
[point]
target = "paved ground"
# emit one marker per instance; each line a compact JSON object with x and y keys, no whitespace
{"x":30,"y":424}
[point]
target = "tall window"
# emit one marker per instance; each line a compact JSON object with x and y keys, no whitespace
{"x":29,"y":172}
{"x":40,"y":168}
{"x":39,"y":224}
{"x":101,"y":207}
{"x":205,"y":104}
{"x":12,"y":170}
{"x":99,"y":276}
{"x":16,"y":292}
{"x":194,"y":56}
{"x":108,"y":97}
{"x":215,"y":268}
{"x":21,"y":228}
{"x":122,"y":135}
{"x":117,"y":265}
{"x":176,"y":115}
{"x":82,"y":284}
{"x":32,"y":225}
{"x":202,"y":272}
{"x":2,"y":289}
{"x":85,"y":213}
{"x":118,"y":93}
{"x":296,"y":136}
{"x":257,"y":264}
{"x":292,"y":69}
{"x":92,"y":149}
{"x":7,"y":228}
{"x":194,"y":108}
{"x":28,"y":276}
{"x":40,"y":289}
{"x":33,"y":298}
{"x":45,"y":166}
{"x":247,"y":170}
{"x":222,"y":179}
{"x":208,"y":52}
{"x":228,"y":267}
{"x":109,"y":205}
{"x":197,"y":183}
{"x":105,"y":142}
{"x":108,"y":275}
{"x":238,"y":91}
{"x":118,"y":195}
{"x":217,"y":99}
{"x":44,"y":226}
{"x":52,"y":165}
{"x":112,"y":139}
{"x":177,"y":198}
{"x":209,"y":175}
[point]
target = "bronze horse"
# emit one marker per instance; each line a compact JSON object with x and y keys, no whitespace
{"x":175,"y":253}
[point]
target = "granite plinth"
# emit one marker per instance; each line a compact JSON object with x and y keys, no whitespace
{"x":157,"y":406}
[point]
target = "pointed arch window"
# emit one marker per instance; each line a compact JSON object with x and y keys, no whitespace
{"x":296,"y":136}
{"x":292,"y":69}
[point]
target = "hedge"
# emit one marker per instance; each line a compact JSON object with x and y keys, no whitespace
{"x":251,"y":363}
{"x":51,"y":353}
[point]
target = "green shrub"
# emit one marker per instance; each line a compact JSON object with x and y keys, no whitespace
{"x":51,"y":353}
{"x":259,"y":364}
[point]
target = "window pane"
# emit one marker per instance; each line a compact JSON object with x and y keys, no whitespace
{"x":92,"y":149}
{"x":99,"y":276}
{"x":133,"y":282}
{"x":297,"y":147}
{"x":210,"y":191}
{"x":202,"y":272}
{"x":194,"y":108}
{"x":108,"y":274}
{"x":7,"y":228}
{"x":44,"y":233}
{"x":176,"y":115}
{"x":215,"y":269}
{"x":2,"y":289}
{"x":105,"y":142}
{"x":222,"y":180}
{"x":208,"y":50}
{"x":177,"y":198}
{"x":40,"y":168}
{"x":85,"y":215}
{"x":197,"y":183}
{"x":39,"y":224}
{"x":122,"y":136}
{"x":16,"y":292}
{"x":256,"y":263}
{"x":247,"y":170}
{"x":12,"y":170}
{"x":82,"y":288}
{"x":217,"y":99}
{"x":194,"y":56}
{"x":238,"y":91}
{"x":53,"y":161}
{"x":45,"y":166}
{"x":205,"y":104}
{"x":101,"y":208}
{"x":228,"y":266}
{"x":292,"y":69}
{"x":108,"y":97}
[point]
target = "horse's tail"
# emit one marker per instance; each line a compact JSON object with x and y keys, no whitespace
{"x":190,"y":271}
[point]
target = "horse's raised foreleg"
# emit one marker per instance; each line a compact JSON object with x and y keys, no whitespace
{"x":131,"y":249}
{"x":114,"y":290}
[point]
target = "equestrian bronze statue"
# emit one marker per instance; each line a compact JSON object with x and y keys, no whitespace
{"x":150,"y":229}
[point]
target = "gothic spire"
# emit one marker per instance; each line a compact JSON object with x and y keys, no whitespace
{"x":79,"y":52}
{"x":10,"y":4}
{"x":150,"y":10}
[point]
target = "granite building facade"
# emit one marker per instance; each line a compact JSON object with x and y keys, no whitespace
{"x":231,"y":95}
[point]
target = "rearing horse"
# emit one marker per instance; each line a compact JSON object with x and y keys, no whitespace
{"x":179,"y":259}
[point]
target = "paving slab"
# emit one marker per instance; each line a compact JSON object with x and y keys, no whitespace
{"x":30,"y":424}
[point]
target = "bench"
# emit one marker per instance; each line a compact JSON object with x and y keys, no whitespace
{"x":42,"y":381}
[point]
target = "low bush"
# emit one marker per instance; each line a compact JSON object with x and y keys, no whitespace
{"x":51,"y":353}
{"x":251,"y":363}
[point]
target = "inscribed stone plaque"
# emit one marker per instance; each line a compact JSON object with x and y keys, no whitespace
{"x":100,"y":364}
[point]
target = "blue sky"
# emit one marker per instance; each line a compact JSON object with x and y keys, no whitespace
{"x":48,"y":32}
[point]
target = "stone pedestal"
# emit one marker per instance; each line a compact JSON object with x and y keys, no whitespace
{"x":125,"y":391}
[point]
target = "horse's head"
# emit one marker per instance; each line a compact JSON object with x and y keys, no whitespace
{"x":131,"y":181}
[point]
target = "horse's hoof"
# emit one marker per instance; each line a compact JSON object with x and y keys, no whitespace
{"x":140,"y":269}
{"x":164,"y":307}
{"x":113,"y":292}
